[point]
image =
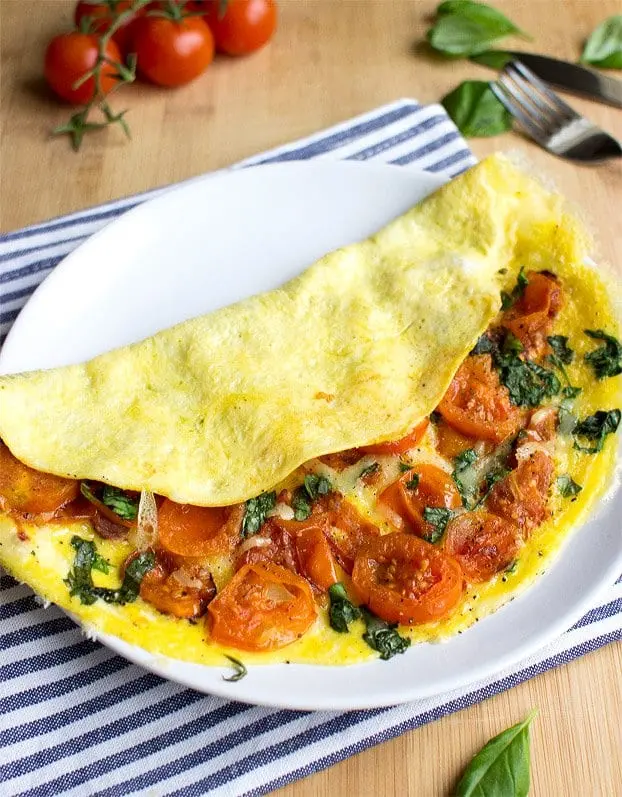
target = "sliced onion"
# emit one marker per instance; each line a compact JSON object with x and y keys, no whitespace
{"x":526,"y":450}
{"x":256,"y":541}
{"x":278,"y":593}
{"x":146,"y":534}
{"x":282,"y":511}
{"x":185,"y":580}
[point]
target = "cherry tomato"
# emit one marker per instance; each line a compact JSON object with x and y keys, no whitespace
{"x":522,"y":496}
{"x":402,"y":445}
{"x":245,"y":26}
{"x":478,"y":405}
{"x":316,"y":558}
{"x":198,"y":531}
{"x":341,"y":460}
{"x":172,"y":52}
{"x":449,"y":442}
{"x":69,"y":56}
{"x":483,"y":544}
{"x":404,"y":579}
{"x":102,"y":15}
{"x":423,"y":486}
{"x":530,"y":319}
{"x":27,"y":490}
{"x":263,"y":607}
{"x":273,"y":544}
{"x":181,"y":592}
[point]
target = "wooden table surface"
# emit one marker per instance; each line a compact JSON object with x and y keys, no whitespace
{"x":330,"y":60}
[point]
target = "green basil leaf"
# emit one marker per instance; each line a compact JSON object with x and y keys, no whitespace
{"x":567,"y":486}
{"x":465,"y":476}
{"x":508,"y":299}
{"x":501,"y":768}
{"x":596,"y":427}
{"x":476,"y":111}
{"x":316,"y":485}
{"x":121,"y":504}
{"x":342,"y":611}
{"x":369,"y":470}
{"x":496,"y":59}
{"x":239,"y":670}
{"x":301,"y":504}
{"x":383,"y":636}
{"x":438,"y":517}
{"x":465,"y":28}
{"x":527,"y":382}
{"x":255,"y":512}
{"x":604,"y":47}
{"x":607,"y":359}
{"x":413,"y":482}
{"x":559,"y":344}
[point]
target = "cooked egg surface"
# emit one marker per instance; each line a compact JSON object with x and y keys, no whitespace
{"x":356,"y":350}
{"x":45,"y":557}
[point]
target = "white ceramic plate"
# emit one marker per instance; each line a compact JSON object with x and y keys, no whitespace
{"x":225,"y":237}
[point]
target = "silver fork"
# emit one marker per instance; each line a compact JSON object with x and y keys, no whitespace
{"x":548,"y":120}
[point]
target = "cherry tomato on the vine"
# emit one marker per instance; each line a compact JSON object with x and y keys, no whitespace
{"x":172,"y":52}
{"x":69,"y":56}
{"x":245,"y":25}
{"x":102,"y":15}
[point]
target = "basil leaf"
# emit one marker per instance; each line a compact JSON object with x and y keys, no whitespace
{"x":404,"y":467}
{"x":596,"y":427}
{"x":496,"y":59}
{"x":342,"y":611}
{"x":413,"y":482}
{"x":571,"y":392}
{"x":484,"y":345}
{"x":527,"y":382}
{"x":465,"y":476}
{"x":559,"y":344}
{"x":239,"y":670}
{"x":604,"y":47}
{"x":501,"y":768}
{"x":567,"y":486}
{"x":508,"y":299}
{"x":256,"y":511}
{"x":373,"y":468}
{"x":383,"y":637}
{"x":438,"y":517}
{"x":607,"y":359}
{"x":80,"y":579}
{"x":312,"y":487}
{"x":119,"y":502}
{"x":465,"y":28}
{"x":476,"y":111}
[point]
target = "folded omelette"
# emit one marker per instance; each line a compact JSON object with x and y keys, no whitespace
{"x":356,"y":350}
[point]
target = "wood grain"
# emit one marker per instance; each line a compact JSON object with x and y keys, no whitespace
{"x":330,"y":60}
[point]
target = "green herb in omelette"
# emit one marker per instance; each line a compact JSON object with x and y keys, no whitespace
{"x":438,"y":517}
{"x":607,"y":359}
{"x":312,"y":488}
{"x":413,"y":482}
{"x":383,"y":637}
{"x":509,"y":299}
{"x":559,"y":344}
{"x":567,"y":486}
{"x":465,"y":476}
{"x":369,"y":470}
{"x":501,"y":768}
{"x":596,"y":427}
{"x":121,"y":504}
{"x":342,"y":611}
{"x":239,"y":670}
{"x":256,"y":511}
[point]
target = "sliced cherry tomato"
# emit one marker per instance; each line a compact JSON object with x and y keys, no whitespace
{"x":180,"y":591}
{"x":404,"y":579}
{"x":402,"y":445}
{"x":530,"y":319}
{"x":522,"y":496}
{"x":245,"y":26}
{"x":449,"y":442}
{"x":424,"y":486}
{"x":102,"y":15}
{"x":26,"y":490}
{"x":316,"y":558}
{"x":198,"y":531}
{"x":483,"y":544}
{"x":478,"y":405}
{"x":341,"y":460}
{"x":263,"y":607}
{"x":172,"y":52}
{"x":69,"y":57}
{"x":542,"y":426}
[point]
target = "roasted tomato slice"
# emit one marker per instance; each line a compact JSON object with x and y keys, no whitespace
{"x":341,"y":460}
{"x":347,"y":529}
{"x":273,"y":543}
{"x":316,"y":558}
{"x":402,"y":445}
{"x":450,"y":443}
{"x":198,"y":531}
{"x":530,"y":318}
{"x":263,"y":607}
{"x":404,"y":579}
{"x":478,"y":405}
{"x":423,"y":486}
{"x":522,"y":496}
{"x":482,"y":543}
{"x":182,"y":591}
{"x":26,"y":490}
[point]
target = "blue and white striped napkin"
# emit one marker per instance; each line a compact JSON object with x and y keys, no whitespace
{"x":75,"y":719}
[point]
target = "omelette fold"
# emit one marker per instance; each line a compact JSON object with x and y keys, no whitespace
{"x":381,"y":451}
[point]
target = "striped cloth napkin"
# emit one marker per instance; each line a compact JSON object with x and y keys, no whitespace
{"x":75,"y":719}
